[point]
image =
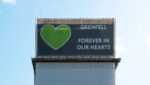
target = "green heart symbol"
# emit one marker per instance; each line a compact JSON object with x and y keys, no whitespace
{"x":55,"y":37}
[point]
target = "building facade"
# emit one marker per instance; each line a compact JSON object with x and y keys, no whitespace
{"x":63,"y":69}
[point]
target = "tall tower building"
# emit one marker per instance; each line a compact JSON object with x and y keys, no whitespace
{"x":75,"y":52}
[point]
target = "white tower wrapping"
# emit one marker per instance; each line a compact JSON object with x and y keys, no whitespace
{"x":74,"y":72}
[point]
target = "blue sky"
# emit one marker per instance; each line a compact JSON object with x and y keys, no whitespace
{"x":18,"y":19}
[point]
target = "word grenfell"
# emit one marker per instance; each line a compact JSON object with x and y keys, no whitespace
{"x":93,"y":27}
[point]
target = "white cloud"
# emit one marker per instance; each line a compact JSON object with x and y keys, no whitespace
{"x":13,"y":2}
{"x":120,"y":48}
{"x":148,"y":40}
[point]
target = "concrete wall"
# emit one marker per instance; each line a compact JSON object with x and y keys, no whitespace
{"x":75,"y":74}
